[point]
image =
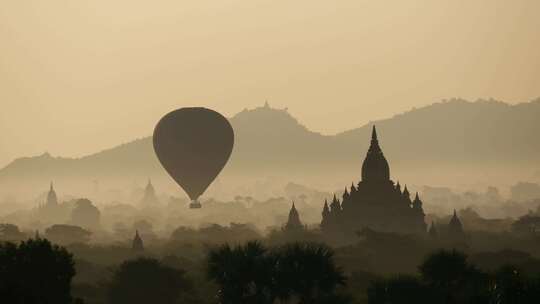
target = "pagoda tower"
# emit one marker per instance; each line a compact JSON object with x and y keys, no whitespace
{"x":137,"y":244}
{"x":52,"y":199}
{"x":149,"y":197}
{"x":294,"y":223}
{"x":376,"y":202}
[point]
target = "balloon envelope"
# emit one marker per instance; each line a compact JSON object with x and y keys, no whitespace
{"x":193,"y":145}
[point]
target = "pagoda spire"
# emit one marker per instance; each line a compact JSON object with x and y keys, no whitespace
{"x":455,"y":227}
{"x":325,"y":215}
{"x":137,"y":244}
{"x":375,"y":167}
{"x":52,"y":199}
{"x":374,"y":133}
{"x":149,"y":196}
{"x":406,"y":192}
{"x":294,"y":219}
{"x":326,"y":210}
{"x":335,"y":206}
{"x":345,"y":193}
{"x":407,"y":196}
{"x":417,"y":203}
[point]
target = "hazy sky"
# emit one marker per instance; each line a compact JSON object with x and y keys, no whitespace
{"x":81,"y":76}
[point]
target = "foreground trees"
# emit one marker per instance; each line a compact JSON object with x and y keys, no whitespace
{"x":298,"y":273}
{"x":295,"y":273}
{"x":447,"y":277}
{"x":35,"y":272}
{"x":146,"y":280}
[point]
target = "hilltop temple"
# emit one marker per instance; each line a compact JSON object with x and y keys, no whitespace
{"x":376,"y":202}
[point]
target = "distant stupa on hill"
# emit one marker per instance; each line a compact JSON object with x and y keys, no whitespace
{"x":375,"y":203}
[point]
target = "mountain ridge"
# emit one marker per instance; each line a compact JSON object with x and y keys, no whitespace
{"x":268,"y":140}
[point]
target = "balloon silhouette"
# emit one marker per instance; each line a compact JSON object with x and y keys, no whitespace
{"x":193,"y":145}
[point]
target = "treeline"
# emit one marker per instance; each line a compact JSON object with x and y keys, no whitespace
{"x":36,"y":271}
{"x":448,"y":277}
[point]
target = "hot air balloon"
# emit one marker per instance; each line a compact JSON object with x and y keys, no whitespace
{"x":193,"y":145}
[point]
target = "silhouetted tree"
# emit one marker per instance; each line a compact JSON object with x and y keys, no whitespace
{"x":147,"y":281}
{"x":510,"y":285}
{"x":452,"y":279}
{"x":250,"y":273}
{"x":85,"y":214}
{"x":447,"y":277}
{"x":306,"y":271}
{"x":244,"y":273}
{"x":35,"y":272}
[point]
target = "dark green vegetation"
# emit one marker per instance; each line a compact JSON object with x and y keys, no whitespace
{"x":146,"y":280}
{"x":379,"y":268}
{"x":252,"y":273}
{"x":447,"y":277}
{"x":35,"y":271}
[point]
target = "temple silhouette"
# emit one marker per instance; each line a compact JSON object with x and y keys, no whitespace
{"x":293,"y":222}
{"x":137,"y":244}
{"x":52,"y":199}
{"x":150,"y":197}
{"x":376,"y":202}
{"x":50,"y":209}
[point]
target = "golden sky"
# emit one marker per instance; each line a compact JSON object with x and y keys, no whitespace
{"x":81,"y":76}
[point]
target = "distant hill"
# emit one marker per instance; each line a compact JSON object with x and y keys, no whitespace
{"x":272,"y":142}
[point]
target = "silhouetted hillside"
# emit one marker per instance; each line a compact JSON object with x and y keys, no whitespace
{"x":461,"y":131}
{"x":272,"y":142}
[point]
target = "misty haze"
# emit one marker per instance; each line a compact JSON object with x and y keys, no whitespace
{"x":268,"y":152}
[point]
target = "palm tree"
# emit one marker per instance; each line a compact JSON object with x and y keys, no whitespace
{"x":244,"y":273}
{"x":305,"y":271}
{"x":452,"y":279}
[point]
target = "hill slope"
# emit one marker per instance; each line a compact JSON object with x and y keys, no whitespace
{"x":272,"y":142}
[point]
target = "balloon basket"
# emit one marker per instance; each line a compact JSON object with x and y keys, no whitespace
{"x":195,"y":205}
